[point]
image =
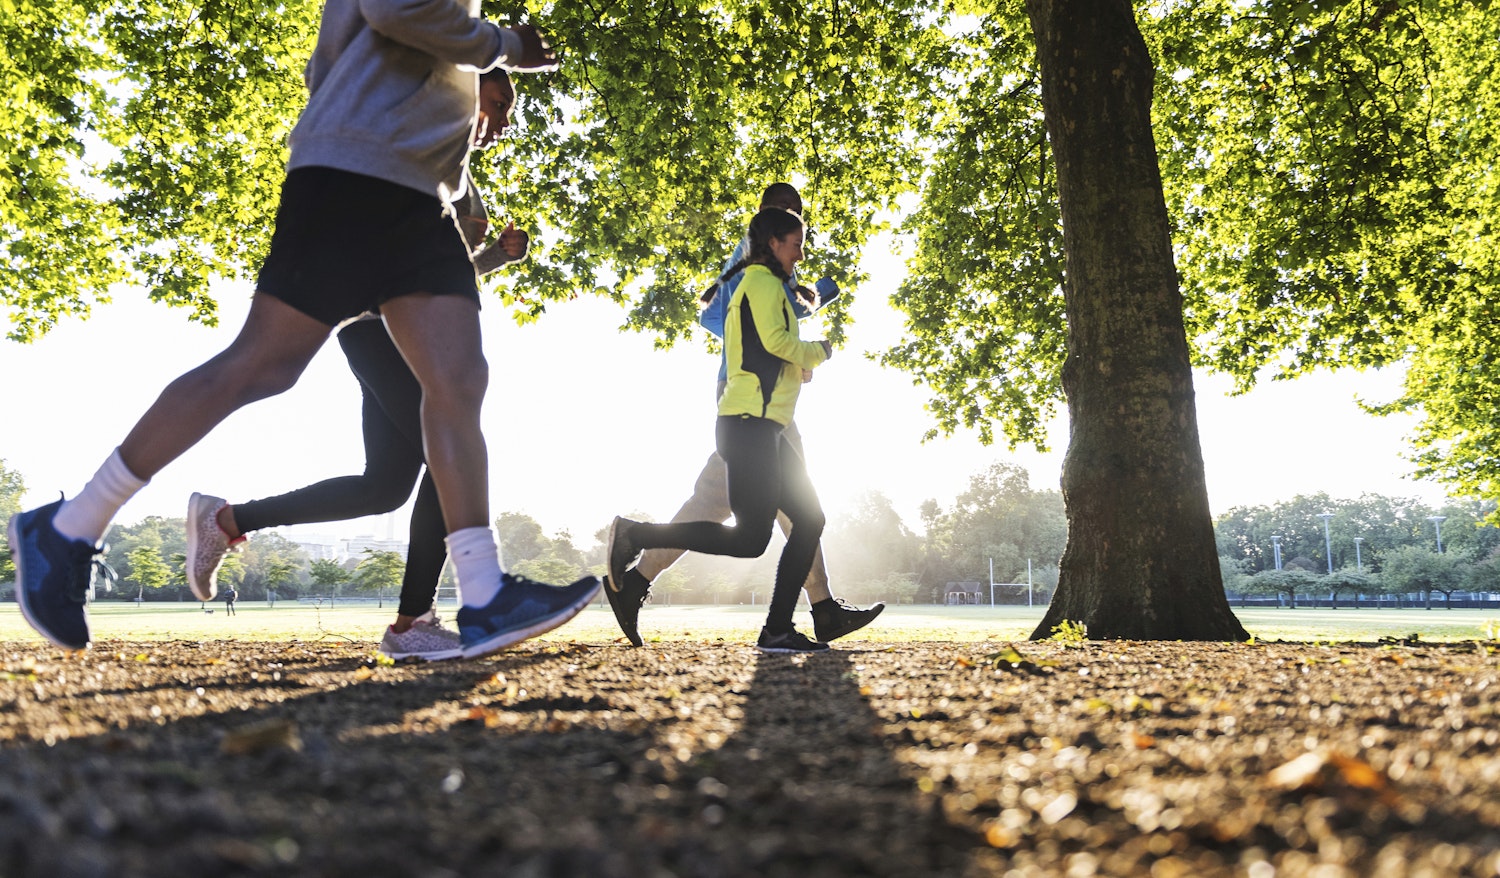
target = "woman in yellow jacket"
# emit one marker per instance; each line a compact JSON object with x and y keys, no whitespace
{"x":766,"y":363}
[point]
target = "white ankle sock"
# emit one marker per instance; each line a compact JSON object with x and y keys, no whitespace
{"x":87,"y":516}
{"x":476,"y":561}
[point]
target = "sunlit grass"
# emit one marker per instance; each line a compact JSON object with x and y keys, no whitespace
{"x":1366,"y":626}
{"x":363,"y":623}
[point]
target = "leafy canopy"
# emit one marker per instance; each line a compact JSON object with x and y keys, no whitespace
{"x":1328,"y":165}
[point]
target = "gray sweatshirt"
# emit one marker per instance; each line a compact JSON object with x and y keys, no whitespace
{"x":393,"y":90}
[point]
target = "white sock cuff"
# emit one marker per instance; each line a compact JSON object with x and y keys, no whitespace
{"x":476,"y":562}
{"x":87,"y":516}
{"x":118,"y":476}
{"x":470,"y":541}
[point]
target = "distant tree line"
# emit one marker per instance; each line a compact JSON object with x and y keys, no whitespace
{"x":872,"y":554}
{"x":1385,"y":547}
{"x":1374,"y":547}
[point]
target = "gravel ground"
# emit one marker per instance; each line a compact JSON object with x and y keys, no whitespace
{"x":684,"y":759}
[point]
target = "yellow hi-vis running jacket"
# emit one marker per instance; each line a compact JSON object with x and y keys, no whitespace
{"x":763,"y":355}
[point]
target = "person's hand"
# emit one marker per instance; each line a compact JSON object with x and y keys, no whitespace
{"x":514,"y":242}
{"x":827,"y":347}
{"x":509,"y":246}
{"x":806,"y":375}
{"x":474,"y":228}
{"x":536,"y":53}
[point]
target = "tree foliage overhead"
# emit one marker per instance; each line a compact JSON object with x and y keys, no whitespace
{"x":650,"y":146}
{"x":1328,"y":165}
{"x":155,"y":149}
{"x":143,"y":141}
{"x":1310,"y":152}
{"x":1329,"y":169}
{"x":984,"y":295}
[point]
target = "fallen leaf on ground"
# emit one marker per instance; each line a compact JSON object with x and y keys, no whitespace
{"x":1331,"y":772}
{"x":259,"y":737}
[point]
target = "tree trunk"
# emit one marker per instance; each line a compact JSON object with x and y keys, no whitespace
{"x":1140,"y":562}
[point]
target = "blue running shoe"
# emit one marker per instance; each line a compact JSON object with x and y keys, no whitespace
{"x":523,"y":609}
{"x":54,"y":577}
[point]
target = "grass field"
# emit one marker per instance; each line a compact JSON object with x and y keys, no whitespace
{"x":738,"y":624}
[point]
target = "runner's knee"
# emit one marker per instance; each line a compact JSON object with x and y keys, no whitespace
{"x":810,"y":524}
{"x":750,"y":541}
{"x":459,"y":385}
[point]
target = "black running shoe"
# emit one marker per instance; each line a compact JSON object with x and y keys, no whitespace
{"x":788,"y":641}
{"x":833,"y":618}
{"x":627,"y":603}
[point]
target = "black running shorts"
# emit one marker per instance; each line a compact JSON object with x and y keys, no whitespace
{"x":345,"y":243}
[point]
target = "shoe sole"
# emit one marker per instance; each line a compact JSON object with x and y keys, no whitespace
{"x":615,"y":607}
{"x":863,"y":624}
{"x":782,"y":650}
{"x":611,"y":581}
{"x":192,"y":541}
{"x":13,"y":531}
{"x":497,"y":642}
{"x":440,"y":656}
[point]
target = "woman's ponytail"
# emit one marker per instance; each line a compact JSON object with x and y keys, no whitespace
{"x":713,"y":288}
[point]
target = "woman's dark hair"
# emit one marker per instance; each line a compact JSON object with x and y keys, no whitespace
{"x":767,"y":224}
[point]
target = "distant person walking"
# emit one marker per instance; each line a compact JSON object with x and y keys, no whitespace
{"x":362,"y":225}
{"x":230,"y":596}
{"x":832,"y":617}
{"x":766,"y":365}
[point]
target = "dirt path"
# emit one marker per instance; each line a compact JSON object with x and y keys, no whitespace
{"x":1122,"y":759}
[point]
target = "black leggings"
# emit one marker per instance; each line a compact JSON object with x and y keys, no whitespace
{"x":392,"y":423}
{"x":765,"y":474}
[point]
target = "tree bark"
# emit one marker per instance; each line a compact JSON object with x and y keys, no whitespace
{"x":1141,"y":562}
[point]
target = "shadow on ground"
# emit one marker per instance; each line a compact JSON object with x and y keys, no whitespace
{"x":295,"y":759}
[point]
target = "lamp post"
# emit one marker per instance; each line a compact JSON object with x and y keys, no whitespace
{"x":1327,"y":540}
{"x":1358,"y":567}
{"x":1276,"y":549}
{"x":1437,"y":524}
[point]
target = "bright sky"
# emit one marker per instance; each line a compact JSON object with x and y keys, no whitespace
{"x":586,"y":421}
